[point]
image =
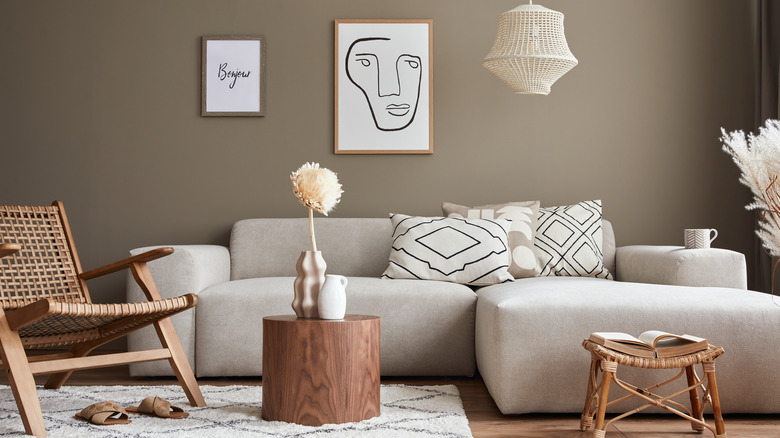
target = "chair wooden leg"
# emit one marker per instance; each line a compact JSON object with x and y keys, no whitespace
{"x":169,"y":339}
{"x":586,"y":419}
{"x":608,"y":369}
{"x":712,"y":386}
{"x":696,"y":409}
{"x":179,"y":363}
{"x":56,"y":380}
{"x":21,"y":379}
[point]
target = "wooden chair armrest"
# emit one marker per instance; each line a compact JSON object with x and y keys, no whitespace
{"x":9,"y":248}
{"x":148,"y":256}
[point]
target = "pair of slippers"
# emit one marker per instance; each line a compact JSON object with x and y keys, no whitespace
{"x":109,"y":413}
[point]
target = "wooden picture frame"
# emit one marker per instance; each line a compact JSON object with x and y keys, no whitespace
{"x":381,"y":110}
{"x":233,"y":76}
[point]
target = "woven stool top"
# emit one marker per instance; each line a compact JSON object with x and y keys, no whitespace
{"x":708,"y":355}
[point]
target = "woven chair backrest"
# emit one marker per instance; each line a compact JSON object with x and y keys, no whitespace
{"x":45,"y":266}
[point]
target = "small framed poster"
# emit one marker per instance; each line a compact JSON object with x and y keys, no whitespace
{"x":233,"y":76}
{"x":384,"y":87}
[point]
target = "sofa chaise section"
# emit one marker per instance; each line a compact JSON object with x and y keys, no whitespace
{"x":529,"y":332}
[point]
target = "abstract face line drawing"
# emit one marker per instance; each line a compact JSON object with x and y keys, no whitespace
{"x":389,"y":78}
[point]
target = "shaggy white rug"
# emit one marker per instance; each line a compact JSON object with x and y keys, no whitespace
{"x":234,"y":411}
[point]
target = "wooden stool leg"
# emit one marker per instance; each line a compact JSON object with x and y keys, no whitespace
{"x":712,"y":385}
{"x":609,"y":369}
{"x":696,"y":410}
{"x":586,"y":419}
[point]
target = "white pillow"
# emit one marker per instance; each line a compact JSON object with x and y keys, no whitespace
{"x":568,"y":241}
{"x":465,"y":251}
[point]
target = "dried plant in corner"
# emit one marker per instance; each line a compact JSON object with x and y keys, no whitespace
{"x":317,"y":189}
{"x":758,"y":158}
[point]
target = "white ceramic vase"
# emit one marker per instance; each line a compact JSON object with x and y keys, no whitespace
{"x":332,"y":302}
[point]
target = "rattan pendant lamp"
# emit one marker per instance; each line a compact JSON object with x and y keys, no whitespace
{"x":530,"y":52}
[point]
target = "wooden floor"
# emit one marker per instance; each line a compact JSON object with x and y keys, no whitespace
{"x":485,"y":419}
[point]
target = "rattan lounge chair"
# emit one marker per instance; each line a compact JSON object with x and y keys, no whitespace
{"x":46,"y":304}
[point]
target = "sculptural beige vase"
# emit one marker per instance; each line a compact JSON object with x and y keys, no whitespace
{"x":311,"y":276}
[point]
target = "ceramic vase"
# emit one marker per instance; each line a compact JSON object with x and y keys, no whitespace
{"x":311,"y":276}
{"x":332,"y":302}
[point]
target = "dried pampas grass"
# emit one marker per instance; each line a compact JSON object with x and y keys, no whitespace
{"x":317,"y":189}
{"x":758,"y":158}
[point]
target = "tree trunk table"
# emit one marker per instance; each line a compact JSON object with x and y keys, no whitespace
{"x":318,"y":371}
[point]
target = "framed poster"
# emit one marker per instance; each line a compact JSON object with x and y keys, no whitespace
{"x":233,"y":76}
{"x":384,"y":87}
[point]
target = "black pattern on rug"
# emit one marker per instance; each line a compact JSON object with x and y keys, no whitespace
{"x":235,"y":412}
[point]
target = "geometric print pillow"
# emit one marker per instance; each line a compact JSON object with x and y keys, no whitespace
{"x":568,"y":241}
{"x":522,"y":259}
{"x":458,"y":250}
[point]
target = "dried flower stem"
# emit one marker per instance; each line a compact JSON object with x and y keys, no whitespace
{"x":311,"y":230}
{"x":317,"y":189}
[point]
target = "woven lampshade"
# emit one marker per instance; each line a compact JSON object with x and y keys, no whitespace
{"x":530,"y":52}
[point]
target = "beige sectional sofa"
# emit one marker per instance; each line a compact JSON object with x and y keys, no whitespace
{"x":523,"y":336}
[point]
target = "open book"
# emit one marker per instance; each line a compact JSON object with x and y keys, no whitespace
{"x":652,"y":343}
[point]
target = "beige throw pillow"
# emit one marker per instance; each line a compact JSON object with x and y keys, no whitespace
{"x":523,"y":260}
{"x":465,"y":251}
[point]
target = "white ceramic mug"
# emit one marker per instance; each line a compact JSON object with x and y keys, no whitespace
{"x":697,"y":238}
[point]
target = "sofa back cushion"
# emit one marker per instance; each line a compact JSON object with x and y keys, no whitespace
{"x":357,"y":247}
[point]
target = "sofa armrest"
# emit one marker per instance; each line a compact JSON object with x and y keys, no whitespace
{"x":190,"y":269}
{"x":675,"y":265}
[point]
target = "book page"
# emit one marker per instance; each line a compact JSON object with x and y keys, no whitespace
{"x":620,"y":337}
{"x":652,"y":336}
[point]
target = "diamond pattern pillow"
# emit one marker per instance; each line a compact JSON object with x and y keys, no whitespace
{"x":458,"y":250}
{"x":568,"y":241}
{"x":522,"y":259}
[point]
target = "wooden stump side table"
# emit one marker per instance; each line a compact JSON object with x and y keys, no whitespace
{"x":318,"y":371}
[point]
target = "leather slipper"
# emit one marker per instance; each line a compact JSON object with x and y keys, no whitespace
{"x":157,"y":407}
{"x":104,"y":414}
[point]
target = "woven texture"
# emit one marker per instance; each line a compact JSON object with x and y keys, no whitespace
{"x":708,"y":355}
{"x":86,"y":322}
{"x":530,"y":52}
{"x":44,"y":267}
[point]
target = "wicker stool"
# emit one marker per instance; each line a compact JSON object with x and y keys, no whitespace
{"x":607,"y":360}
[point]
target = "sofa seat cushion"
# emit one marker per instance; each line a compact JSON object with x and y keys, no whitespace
{"x":534,"y":327}
{"x":427,"y":326}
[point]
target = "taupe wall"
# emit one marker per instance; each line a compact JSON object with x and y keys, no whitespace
{"x":100,"y":106}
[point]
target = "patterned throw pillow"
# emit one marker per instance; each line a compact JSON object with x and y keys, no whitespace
{"x":523,"y":215}
{"x":568,"y":241}
{"x":465,"y":251}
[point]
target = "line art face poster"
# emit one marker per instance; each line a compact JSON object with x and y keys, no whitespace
{"x":383,"y":87}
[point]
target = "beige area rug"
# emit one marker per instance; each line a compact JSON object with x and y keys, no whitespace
{"x":235,"y":411}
